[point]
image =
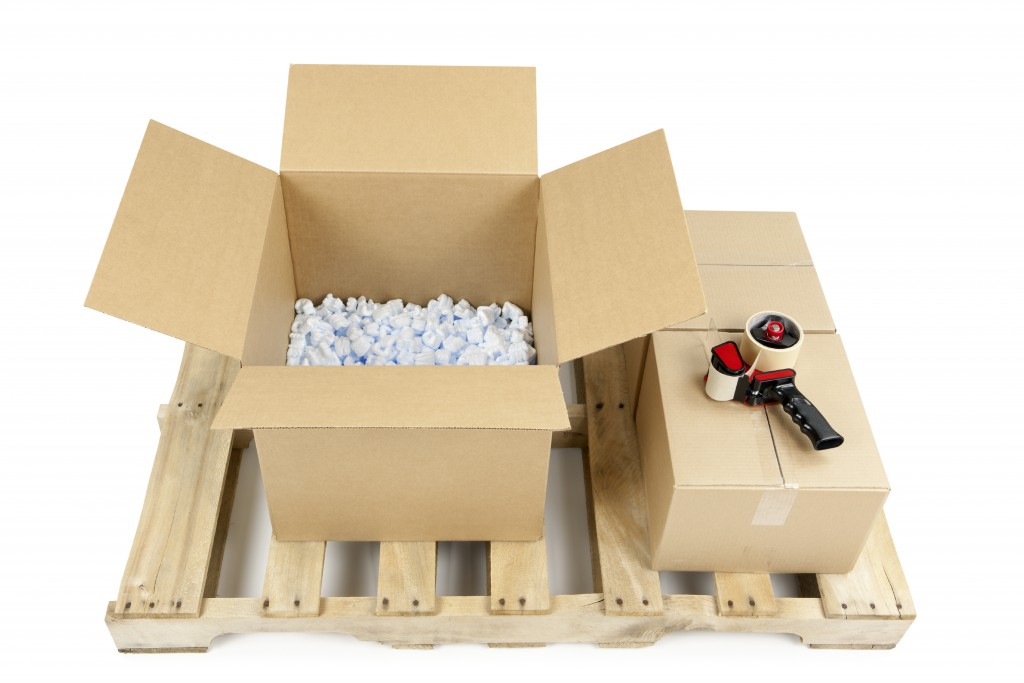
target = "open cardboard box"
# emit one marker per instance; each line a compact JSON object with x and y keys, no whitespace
{"x":400,"y":182}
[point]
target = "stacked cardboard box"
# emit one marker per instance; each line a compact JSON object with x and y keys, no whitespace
{"x":732,"y":488}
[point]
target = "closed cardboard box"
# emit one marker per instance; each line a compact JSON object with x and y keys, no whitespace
{"x":739,"y":489}
{"x":400,"y":182}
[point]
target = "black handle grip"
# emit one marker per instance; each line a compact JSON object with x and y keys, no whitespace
{"x":806,"y":416}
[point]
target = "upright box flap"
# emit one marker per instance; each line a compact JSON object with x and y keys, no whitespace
{"x":494,"y":397}
{"x":412,"y":119}
{"x":614,"y":259}
{"x":184,"y":252}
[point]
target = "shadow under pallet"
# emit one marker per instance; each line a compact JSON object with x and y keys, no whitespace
{"x":168,"y":598}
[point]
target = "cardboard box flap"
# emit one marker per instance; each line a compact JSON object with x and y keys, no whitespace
{"x":410,"y":119}
{"x":493,"y":397}
{"x":184,"y":251}
{"x":747,"y":238}
{"x":614,"y":259}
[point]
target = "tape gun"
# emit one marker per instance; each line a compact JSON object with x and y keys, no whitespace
{"x":772,"y":337}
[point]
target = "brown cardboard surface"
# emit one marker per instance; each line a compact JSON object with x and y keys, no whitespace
{"x":185,"y":248}
{"x":709,"y":443}
{"x":413,"y":236}
{"x":739,"y":489}
{"x":709,"y":529}
{"x":655,"y":455}
{"x":620,"y":262}
{"x":411,"y":119}
{"x":404,"y":484}
{"x":751,"y":238}
{"x":449,"y":397}
{"x":734,"y":293}
{"x":273,"y":305}
{"x":749,"y":261}
{"x":825,"y":377}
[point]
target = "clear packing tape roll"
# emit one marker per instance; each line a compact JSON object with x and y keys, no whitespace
{"x":765,"y":356}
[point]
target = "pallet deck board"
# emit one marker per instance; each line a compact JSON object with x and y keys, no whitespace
{"x":749,"y":595}
{"x":518,"y":573}
{"x":875,"y":589}
{"x":468,"y":619}
{"x":170,"y":559}
{"x":619,"y":500}
{"x":407,"y":578}
{"x":869,"y":608}
{"x":294,"y":577}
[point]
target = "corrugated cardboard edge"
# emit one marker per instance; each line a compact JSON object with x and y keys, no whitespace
{"x":489,"y":397}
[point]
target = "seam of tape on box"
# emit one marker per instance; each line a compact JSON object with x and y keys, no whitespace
{"x":773,"y":510}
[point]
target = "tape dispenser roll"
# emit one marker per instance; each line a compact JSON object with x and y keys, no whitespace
{"x":771,"y":341}
{"x":724,"y":372}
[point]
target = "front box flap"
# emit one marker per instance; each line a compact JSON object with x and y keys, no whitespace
{"x":183,"y":254}
{"x":613,"y":252}
{"x":411,"y":119}
{"x":495,"y":397}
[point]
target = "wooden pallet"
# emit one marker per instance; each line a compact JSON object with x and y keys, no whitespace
{"x":168,"y":602}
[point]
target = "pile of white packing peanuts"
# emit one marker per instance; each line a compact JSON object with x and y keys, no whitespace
{"x":361,"y":332}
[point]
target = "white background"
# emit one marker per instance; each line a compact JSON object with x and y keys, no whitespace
{"x":894,"y":130}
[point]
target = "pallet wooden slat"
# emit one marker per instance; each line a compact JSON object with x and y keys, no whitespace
{"x":220,"y":537}
{"x":519,"y":577}
{"x":468,"y":619}
{"x":876,"y":588}
{"x":749,"y":595}
{"x":295,"y":572}
{"x":618,"y":498}
{"x":170,"y":558}
{"x":407,"y":578}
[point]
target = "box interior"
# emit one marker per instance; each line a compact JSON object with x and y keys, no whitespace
{"x":413,"y":236}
